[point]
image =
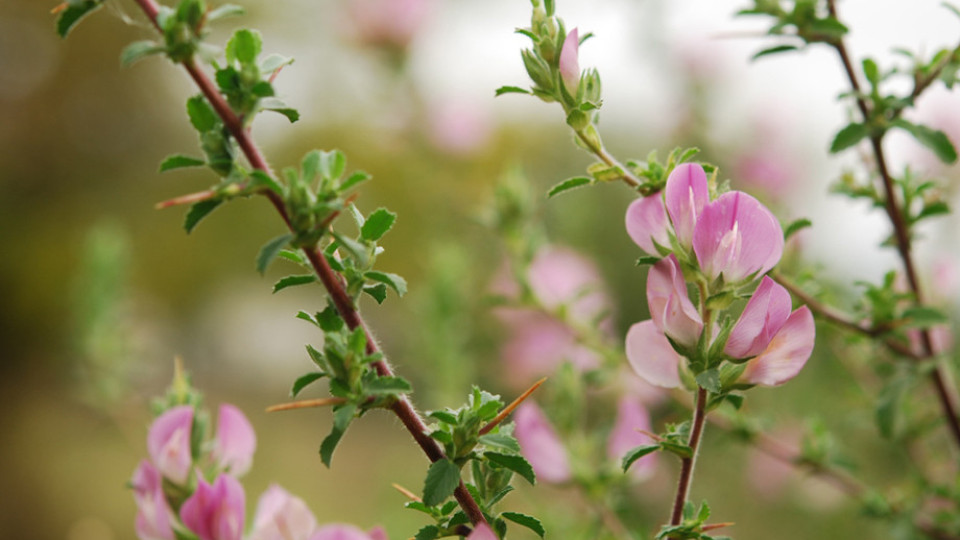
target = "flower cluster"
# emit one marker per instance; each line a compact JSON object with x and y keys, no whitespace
{"x":721,"y":246}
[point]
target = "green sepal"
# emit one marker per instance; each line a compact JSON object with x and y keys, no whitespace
{"x":305,"y":380}
{"x":515,"y":463}
{"x":442,"y":479}
{"x":648,"y":260}
{"x":198,"y":211}
{"x":270,"y":250}
{"x":524,"y":520}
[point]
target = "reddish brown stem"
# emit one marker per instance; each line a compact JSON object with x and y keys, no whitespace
{"x":331,"y":281}
{"x":687,"y":464}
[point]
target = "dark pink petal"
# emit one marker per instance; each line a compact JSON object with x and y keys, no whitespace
{"x":737,"y":236}
{"x":153,"y":512}
{"x":670,"y":307}
{"x":215,"y":512}
{"x":631,"y":416}
{"x":168,"y":443}
{"x":281,"y":516}
{"x":235,"y":442}
{"x":651,"y":356}
{"x":340,"y":532}
{"x":647,"y":223}
{"x":761,"y":319}
{"x":787,"y":353}
{"x":569,"y":63}
{"x":540,"y":444}
{"x":686,"y":193}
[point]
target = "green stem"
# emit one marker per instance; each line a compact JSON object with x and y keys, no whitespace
{"x":598,"y":150}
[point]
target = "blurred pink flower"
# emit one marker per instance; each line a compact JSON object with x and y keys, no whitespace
{"x":168,"y":443}
{"x":540,"y":444}
{"x":651,"y":356}
{"x":539,"y":344}
{"x":562,"y":277}
{"x":482,"y":532}
{"x":569,"y":62}
{"x":347,"y":532}
{"x":153,"y":512}
{"x":459,"y":127}
{"x":631,"y":416}
{"x":281,"y":516}
{"x":647,"y":223}
{"x":215,"y":512}
{"x":387,"y":23}
{"x":235,"y":442}
{"x":766,"y":170}
{"x":670,"y":307}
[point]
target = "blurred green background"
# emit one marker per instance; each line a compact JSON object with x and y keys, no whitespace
{"x":100,"y":292}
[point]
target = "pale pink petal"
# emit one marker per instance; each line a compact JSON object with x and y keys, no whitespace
{"x":670,"y":307}
{"x":387,"y":23}
{"x":787,"y":353}
{"x":738,"y":237}
{"x":235,"y":442}
{"x":763,"y":316}
{"x":281,"y":516}
{"x":647,"y":223}
{"x":215,"y":512}
{"x":540,"y":444}
{"x":686,"y":193}
{"x":168,"y":443}
{"x":631,"y":416}
{"x":153,"y":511}
{"x":482,"y":532}
{"x":538,"y":345}
{"x":569,"y":63}
{"x":562,"y":277}
{"x":651,"y":356}
{"x":339,"y":532}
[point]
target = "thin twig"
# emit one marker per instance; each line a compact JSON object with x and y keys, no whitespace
{"x":687,"y":464}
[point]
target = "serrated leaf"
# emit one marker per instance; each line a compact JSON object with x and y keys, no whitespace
{"x":848,"y":136}
{"x":270,"y":250}
{"x":568,"y":184}
{"x":510,"y":90}
{"x":378,"y":292}
{"x":524,"y":520}
{"x":388,"y":385}
{"x":516,"y":464}
{"x":637,"y":453}
{"x":330,"y":320}
{"x":226,"y":10}
{"x":709,"y":380}
{"x":305,"y":380}
{"x":201,"y":114}
{"x":395,"y":282}
{"x":500,"y":441}
{"x":443,"y":477}
{"x":179,"y":161}
{"x":278,"y":106}
{"x":933,"y":139}
{"x":773,"y":50}
{"x":795,"y":227}
{"x":138,"y":50}
{"x":377,"y":224}
{"x":199,"y":211}
{"x":342,"y":417}
{"x":244,"y":46}
{"x":430,"y":532}
{"x":292,"y":281}
{"x":74,"y":12}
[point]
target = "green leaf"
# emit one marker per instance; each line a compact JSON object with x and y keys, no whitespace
{"x":446,"y":417}
{"x":74,"y":12}
{"x":795,"y":227}
{"x":244,"y":46}
{"x":270,"y":250}
{"x":395,"y":282}
{"x":274,"y":62}
{"x":330,"y":320}
{"x":304,"y":316}
{"x":430,"y":532}
{"x":378,"y":292}
{"x":292,"y":281}
{"x":356,"y":178}
{"x":377,"y":224}
{"x":179,"y":161}
{"x":201,"y":114}
{"x":341,"y":420}
{"x":332,"y":164}
{"x":934,"y":208}
{"x":515,"y":463}
{"x":501,"y":442}
{"x":888,"y":412}
{"x":388,"y":386}
{"x":682,"y":450}
{"x":442,"y":478}
{"x":524,"y":520}
{"x":648,"y":260}
{"x":139,"y":50}
{"x":773,"y":50}
{"x":510,"y":90}
{"x":278,"y":106}
{"x":568,"y":184}
{"x":871,"y":71}
{"x":924,"y":317}
{"x":849,"y":136}
{"x":226,"y":10}
{"x":933,"y":139}
{"x":199,"y":211}
{"x":709,"y":380}
{"x":305,"y":380}
{"x":637,"y":453}
{"x":261,"y":179}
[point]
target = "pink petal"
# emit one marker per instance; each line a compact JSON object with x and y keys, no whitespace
{"x":215,"y":512}
{"x":153,"y":512}
{"x":235,"y":442}
{"x":670,"y":307}
{"x":482,"y":532}
{"x":647,"y":223}
{"x":761,"y":319}
{"x":651,"y":356}
{"x":738,"y":237}
{"x":631,"y":416}
{"x":281,"y":516}
{"x":539,"y":345}
{"x":686,"y":194}
{"x":340,"y":532}
{"x":540,"y":444}
{"x":378,"y":533}
{"x":562,"y":277}
{"x":168,"y":443}
{"x":787,"y":353}
{"x":569,"y":64}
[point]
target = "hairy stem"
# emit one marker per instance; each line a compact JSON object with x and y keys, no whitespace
{"x":687,"y":464}
{"x":604,"y":156}
{"x":402,"y":407}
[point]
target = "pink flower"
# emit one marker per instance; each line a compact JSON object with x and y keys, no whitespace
{"x":388,"y":23}
{"x":787,"y":352}
{"x":651,"y":356}
{"x":482,"y":532}
{"x":540,"y":444}
{"x":631,"y":416}
{"x":168,"y":443}
{"x":686,"y":194}
{"x":153,"y":512}
{"x":281,"y":516}
{"x":762,"y":318}
{"x":647,"y":223}
{"x":670,"y":307}
{"x":539,"y":344}
{"x":347,"y":532}
{"x":737,"y":237}
{"x":236,"y":441}
{"x":561,"y":277}
{"x":569,"y":63}
{"x":215,"y":512}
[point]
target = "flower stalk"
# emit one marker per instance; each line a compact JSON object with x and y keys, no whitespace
{"x":687,"y":464}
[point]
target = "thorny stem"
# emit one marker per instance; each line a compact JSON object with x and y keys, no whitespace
{"x":900,"y":227}
{"x":331,"y":281}
{"x":686,"y":464}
